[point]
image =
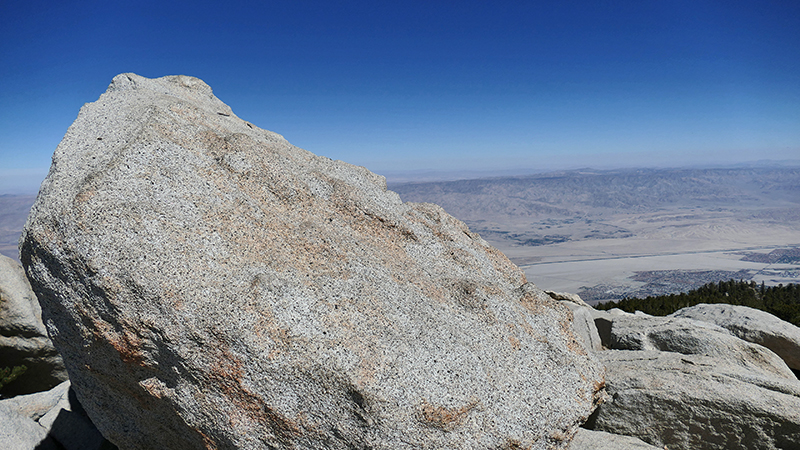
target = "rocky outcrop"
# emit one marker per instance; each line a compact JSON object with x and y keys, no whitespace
{"x":22,"y":433}
{"x":582,"y":319}
{"x":210,"y":285}
{"x":568,"y":298}
{"x":698,"y":402}
{"x":23,"y":338}
{"x":600,"y":440}
{"x":48,"y":420}
{"x":41,"y":414}
{"x":584,"y":325}
{"x":752,"y":325}
{"x":683,"y":383}
{"x":691,"y":337}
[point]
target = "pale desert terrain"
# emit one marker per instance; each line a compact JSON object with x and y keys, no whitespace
{"x":611,"y":234}
{"x":13,"y":212}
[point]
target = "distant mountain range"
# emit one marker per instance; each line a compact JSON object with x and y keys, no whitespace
{"x":431,"y":175}
{"x":593,"y":192}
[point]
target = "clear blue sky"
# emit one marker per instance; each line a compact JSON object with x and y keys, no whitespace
{"x":445,"y":85}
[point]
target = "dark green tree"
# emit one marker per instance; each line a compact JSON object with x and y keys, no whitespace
{"x":781,"y":301}
{"x":9,"y":374}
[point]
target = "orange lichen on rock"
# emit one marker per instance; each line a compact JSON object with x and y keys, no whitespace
{"x":444,"y":418}
{"x":573,"y":342}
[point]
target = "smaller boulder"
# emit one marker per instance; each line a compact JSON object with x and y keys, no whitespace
{"x":600,"y":440}
{"x":688,"y":337}
{"x":697,"y":401}
{"x":752,"y":325}
{"x":34,"y":406}
{"x":23,"y":337}
{"x":19,"y":432}
{"x":584,"y":326}
{"x":567,"y":297}
{"x":51,"y":419}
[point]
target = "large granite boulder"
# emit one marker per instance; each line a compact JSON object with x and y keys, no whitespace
{"x":697,"y":402}
{"x":23,"y":337}
{"x":752,"y":325}
{"x":210,"y":285}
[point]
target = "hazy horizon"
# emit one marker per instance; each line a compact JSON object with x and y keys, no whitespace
{"x":27,"y":181}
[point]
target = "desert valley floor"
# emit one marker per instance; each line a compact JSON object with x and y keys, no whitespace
{"x":653,"y":262}
{"x":608,"y":235}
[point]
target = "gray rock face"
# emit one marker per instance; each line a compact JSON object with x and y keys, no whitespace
{"x":210,"y":285}
{"x":584,"y":325}
{"x":689,"y":337}
{"x":698,"y":402}
{"x":21,"y":433}
{"x":34,"y":406}
{"x":752,"y":325}
{"x":689,"y":384}
{"x":583,"y":319}
{"x":23,"y":338}
{"x":600,"y":440}
{"x":48,"y":420}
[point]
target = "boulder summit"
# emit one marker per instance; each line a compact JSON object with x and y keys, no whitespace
{"x":209,"y":285}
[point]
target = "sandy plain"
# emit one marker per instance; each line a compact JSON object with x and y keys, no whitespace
{"x":651,"y":262}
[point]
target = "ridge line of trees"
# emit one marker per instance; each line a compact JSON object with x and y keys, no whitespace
{"x":780,"y":301}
